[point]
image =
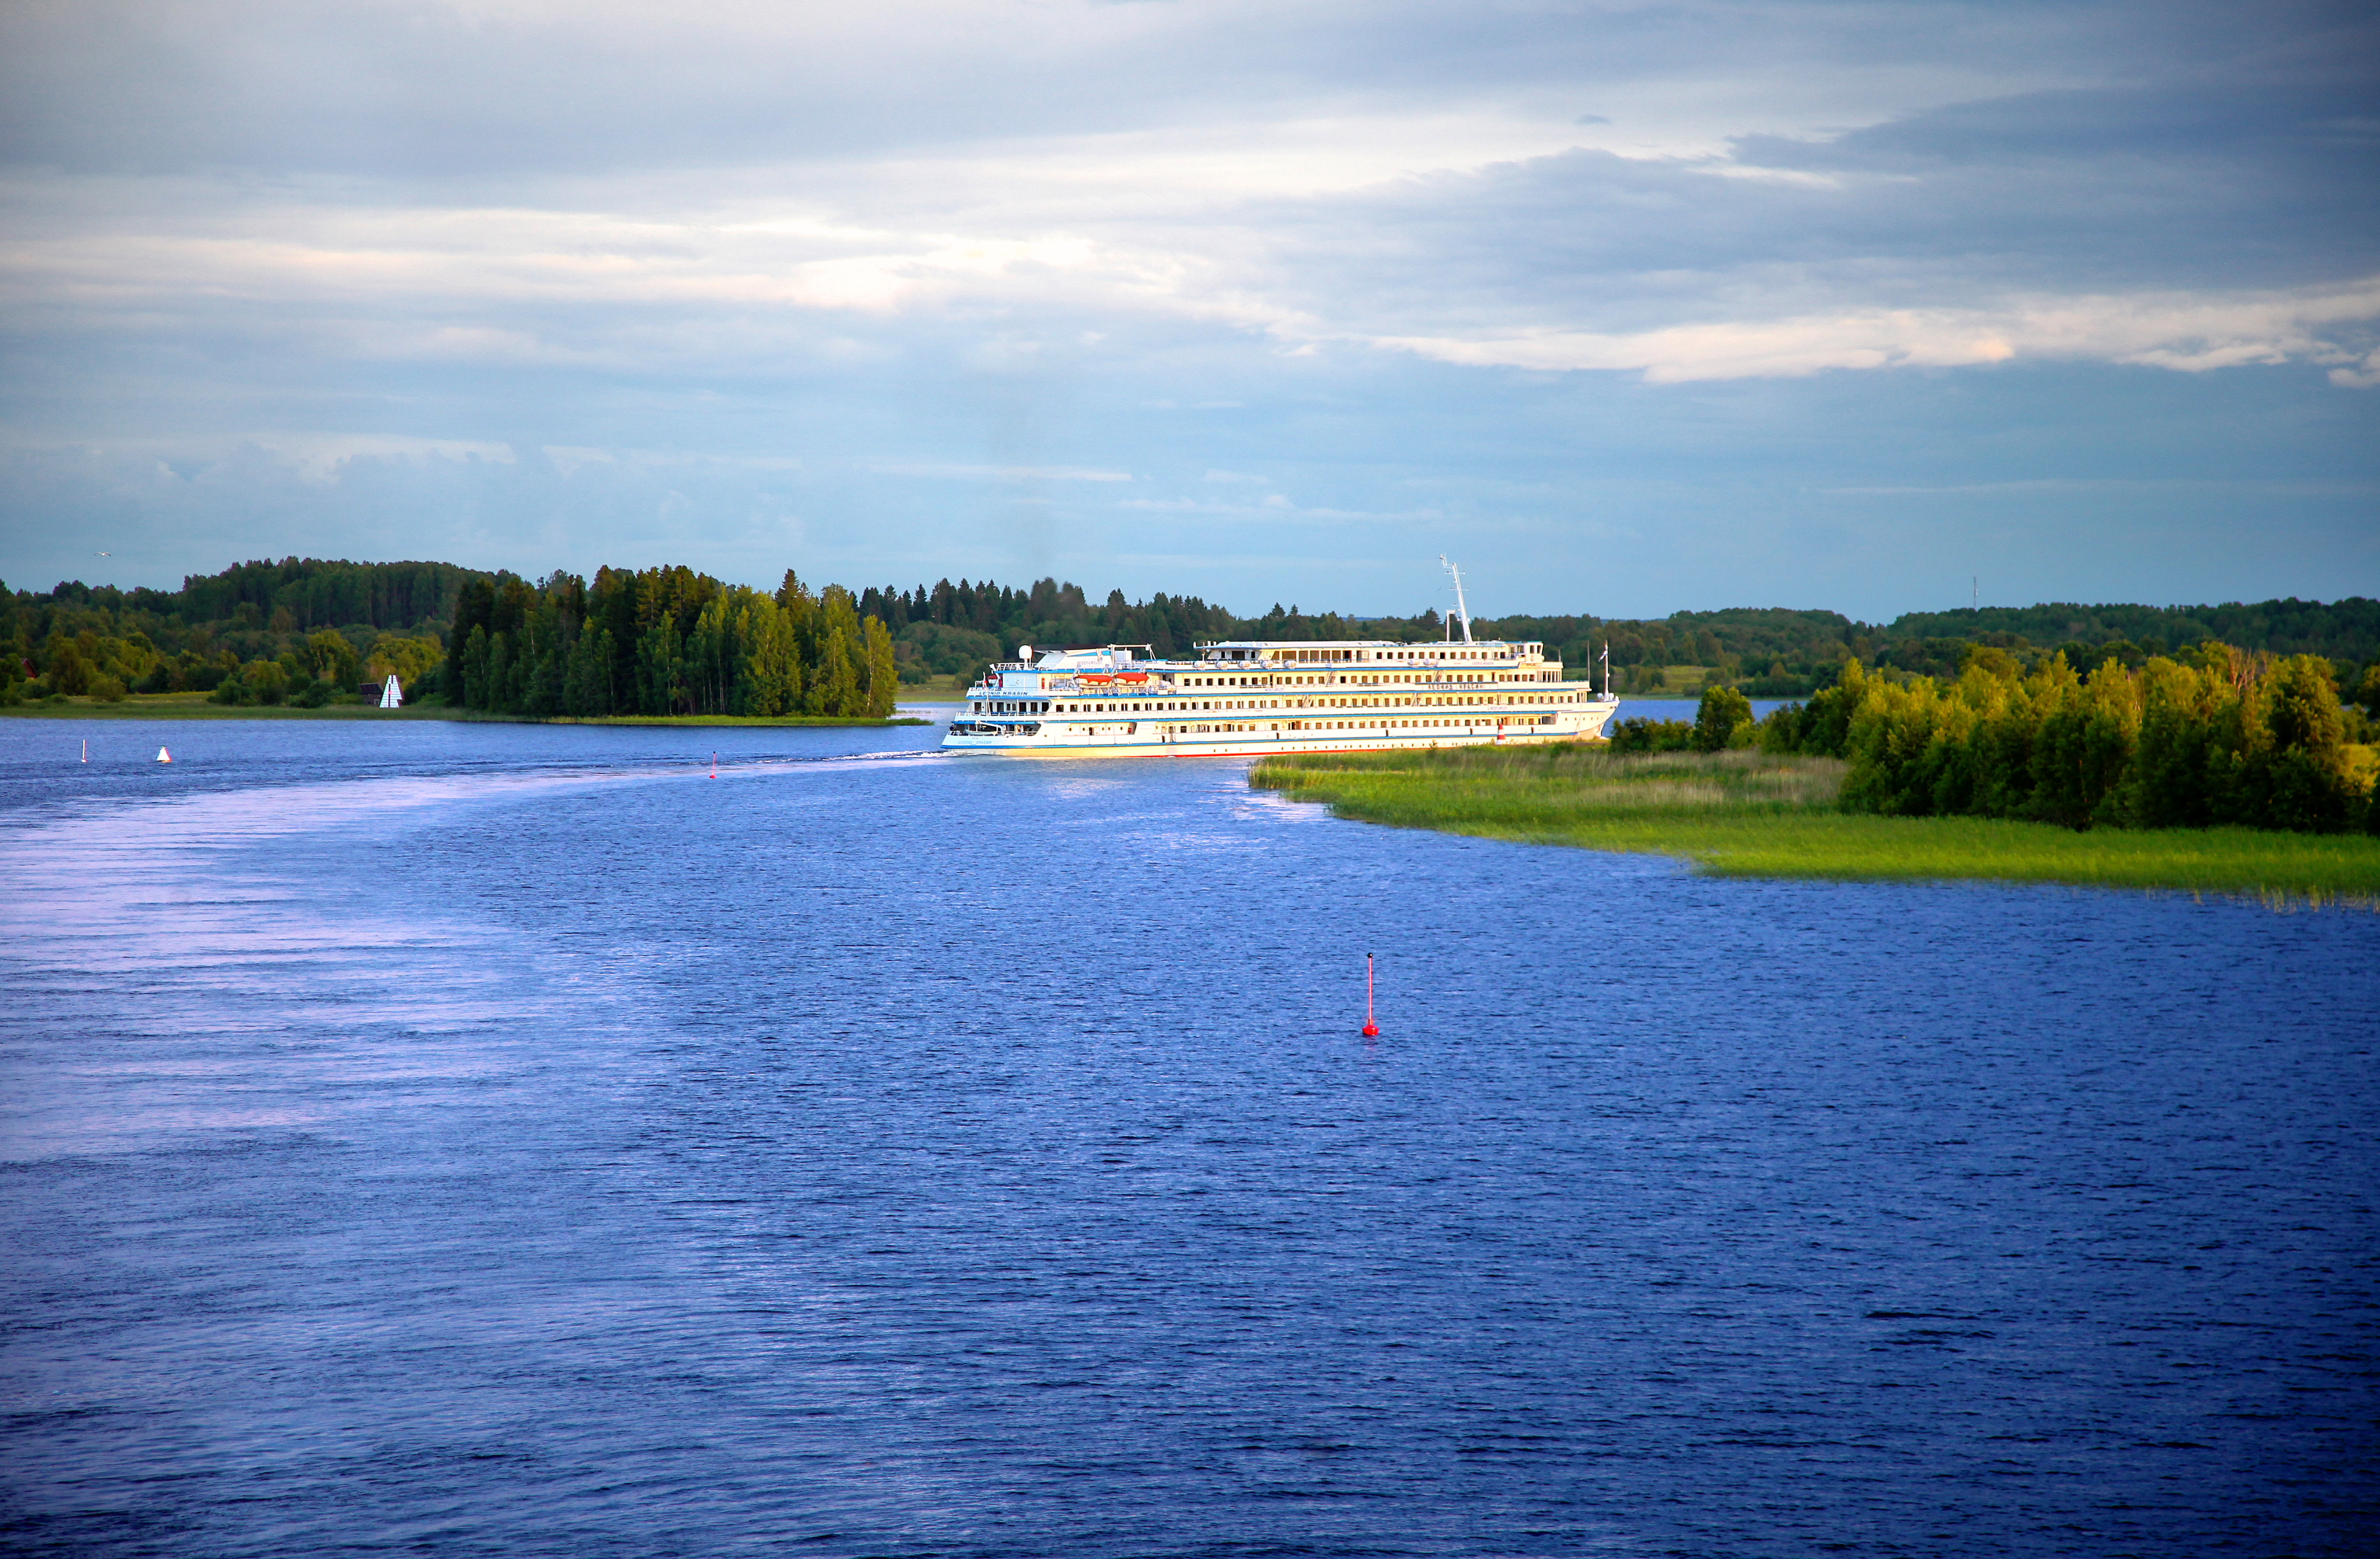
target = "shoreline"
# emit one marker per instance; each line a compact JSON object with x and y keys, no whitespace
{"x":186,"y":709}
{"x":1746,"y":814}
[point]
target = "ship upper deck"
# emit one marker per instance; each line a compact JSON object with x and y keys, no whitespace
{"x":1369,"y":652}
{"x":1110,"y":670}
{"x":1281,"y":654}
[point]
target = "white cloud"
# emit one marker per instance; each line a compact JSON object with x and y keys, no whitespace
{"x":1041,"y":247}
{"x":998,"y":473}
{"x":2358,"y":376}
{"x":568,"y":458}
{"x":1756,"y":192}
{"x":613,"y":288}
{"x":2190,"y":333}
{"x":323,"y":457}
{"x":1270,"y":508}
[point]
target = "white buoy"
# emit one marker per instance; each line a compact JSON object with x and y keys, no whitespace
{"x":164,"y":756}
{"x":86,"y":752}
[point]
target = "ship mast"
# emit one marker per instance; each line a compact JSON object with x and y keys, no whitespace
{"x":1462,"y":610}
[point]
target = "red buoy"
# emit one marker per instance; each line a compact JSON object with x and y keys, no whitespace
{"x":1371,"y":1029}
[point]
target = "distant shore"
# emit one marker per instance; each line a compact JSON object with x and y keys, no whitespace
{"x":195,"y":707}
{"x":1747,"y":814}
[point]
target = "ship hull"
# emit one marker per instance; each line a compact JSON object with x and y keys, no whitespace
{"x":1177,"y":739}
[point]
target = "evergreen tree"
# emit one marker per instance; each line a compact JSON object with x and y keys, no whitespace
{"x":545,"y":665}
{"x":883,"y":678}
{"x":496,"y":688}
{"x":712,"y":655}
{"x":470,"y":681}
{"x":835,"y":687}
{"x":769,"y":677}
{"x":659,"y":668}
{"x":586,"y":684}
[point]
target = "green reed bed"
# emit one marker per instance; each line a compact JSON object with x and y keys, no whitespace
{"x":1748,"y":814}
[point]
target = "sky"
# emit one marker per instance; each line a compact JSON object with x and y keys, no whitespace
{"x":1629,"y":309}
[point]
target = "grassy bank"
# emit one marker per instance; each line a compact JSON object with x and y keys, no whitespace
{"x":195,"y":707}
{"x":937,"y":690}
{"x":1658,"y":682}
{"x":1743,"y":814}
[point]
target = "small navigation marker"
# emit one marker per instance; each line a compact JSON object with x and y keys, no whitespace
{"x":715,"y":766}
{"x":86,"y":750}
{"x":1371,"y":1029}
{"x":164,"y":756}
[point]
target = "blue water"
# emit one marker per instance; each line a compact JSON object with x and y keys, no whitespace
{"x":1631,"y":708}
{"x":464,"y":1139}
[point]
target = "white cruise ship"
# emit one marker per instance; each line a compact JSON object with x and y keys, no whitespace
{"x":1261,"y":696}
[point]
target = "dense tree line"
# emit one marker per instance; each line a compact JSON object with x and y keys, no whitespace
{"x":306,"y":631}
{"x":2347,"y":630}
{"x":666,"y":641}
{"x":256,"y":632}
{"x":1777,"y":653}
{"x":2215,"y":735}
{"x":300,"y":628}
{"x":302,"y":594}
{"x":946,"y":630}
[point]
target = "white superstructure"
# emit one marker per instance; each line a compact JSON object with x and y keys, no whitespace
{"x":1261,"y":696}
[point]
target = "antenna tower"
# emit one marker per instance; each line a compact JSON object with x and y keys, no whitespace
{"x":1460,"y":610}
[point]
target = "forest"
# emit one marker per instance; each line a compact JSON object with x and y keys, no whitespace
{"x":658,"y":641}
{"x":670,"y":640}
{"x":2212,"y":736}
{"x":2215,"y":735}
{"x":666,"y":641}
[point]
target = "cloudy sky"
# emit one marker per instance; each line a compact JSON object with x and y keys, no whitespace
{"x":1629,"y":307}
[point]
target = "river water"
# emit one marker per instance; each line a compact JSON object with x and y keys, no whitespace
{"x":472,"y":1138}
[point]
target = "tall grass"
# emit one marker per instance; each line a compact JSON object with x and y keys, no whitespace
{"x":1747,"y":814}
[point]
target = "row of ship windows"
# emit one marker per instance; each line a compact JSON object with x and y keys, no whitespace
{"x":1045,"y":706}
{"x":1373,"y":680}
{"x":1470,"y":722}
{"x":1432,"y":652}
{"x":1432,"y":724}
{"x":1277,"y":681}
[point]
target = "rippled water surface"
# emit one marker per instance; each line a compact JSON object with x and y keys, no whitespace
{"x":475,"y":1139}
